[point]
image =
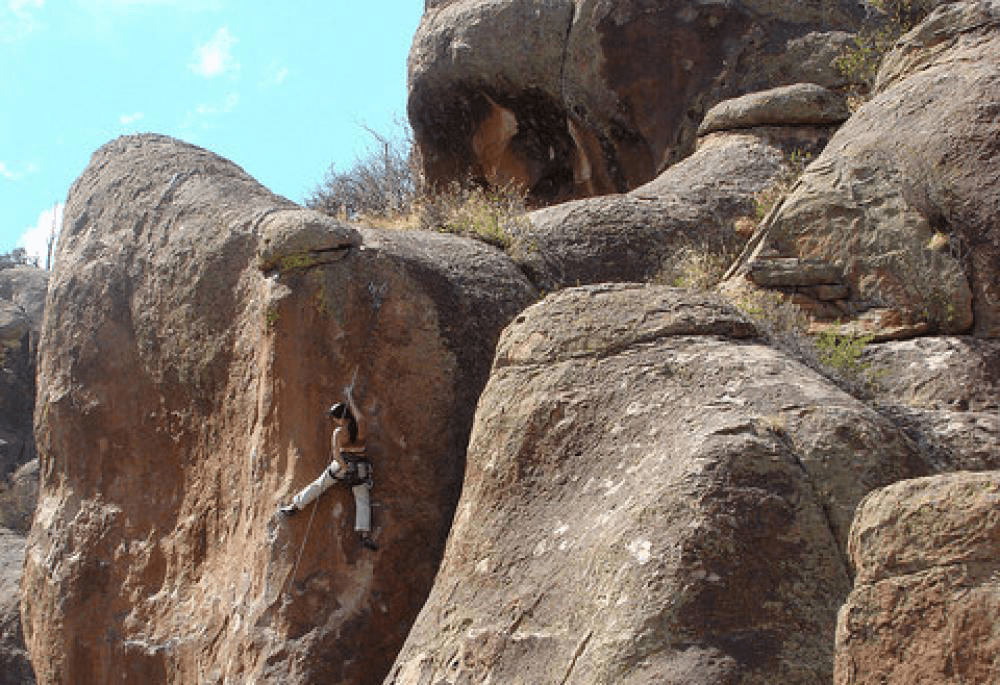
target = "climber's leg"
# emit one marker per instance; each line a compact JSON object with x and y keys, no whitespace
{"x":362,"y":508}
{"x":314,"y":489}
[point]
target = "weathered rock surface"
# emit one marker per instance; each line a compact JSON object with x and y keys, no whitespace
{"x":926,"y":602}
{"x":634,"y":236}
{"x":26,"y":286}
{"x":18,"y":496}
{"x":186,"y":365}
{"x":800,"y":104}
{"x":905,"y":198}
{"x":15,"y":668}
{"x":941,"y":372}
{"x":652,"y":495}
{"x":946,"y":392}
{"x":574,"y":98}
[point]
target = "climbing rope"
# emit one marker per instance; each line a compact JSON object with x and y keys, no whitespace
{"x":302,"y":547}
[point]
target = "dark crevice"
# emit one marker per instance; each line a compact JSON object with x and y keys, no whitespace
{"x":824,"y":507}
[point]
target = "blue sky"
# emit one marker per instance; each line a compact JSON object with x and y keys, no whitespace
{"x":280,"y":88}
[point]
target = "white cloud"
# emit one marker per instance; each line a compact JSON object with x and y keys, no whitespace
{"x":35,"y":239}
{"x":7,"y":174}
{"x":225,"y":107}
{"x":20,"y":23}
{"x":22,"y":8}
{"x":129,"y":119}
{"x":205,"y":113}
{"x":215,"y":58}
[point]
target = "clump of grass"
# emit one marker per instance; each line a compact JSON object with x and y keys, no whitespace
{"x":700,"y":266}
{"x":837,"y":356}
{"x":491,"y":215}
{"x":843,"y":353}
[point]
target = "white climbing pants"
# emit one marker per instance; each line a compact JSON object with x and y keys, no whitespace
{"x":361,"y":492}
{"x":317,"y":487}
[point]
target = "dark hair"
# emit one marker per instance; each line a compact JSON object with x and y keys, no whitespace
{"x":342,"y":411}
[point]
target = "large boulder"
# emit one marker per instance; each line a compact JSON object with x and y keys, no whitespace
{"x":22,"y":305}
{"x":904,"y":200}
{"x":652,"y":495}
{"x":926,"y":601}
{"x":573,"y":98}
{"x":198,"y":326}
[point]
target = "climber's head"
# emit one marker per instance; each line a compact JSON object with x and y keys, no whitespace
{"x":341,"y":412}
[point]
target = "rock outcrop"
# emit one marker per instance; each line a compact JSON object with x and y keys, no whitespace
{"x":22,"y":304}
{"x":904,"y":200}
{"x":926,"y":601}
{"x":652,"y":495}
{"x":573,"y":98}
{"x":696,"y":204}
{"x":198,"y":328}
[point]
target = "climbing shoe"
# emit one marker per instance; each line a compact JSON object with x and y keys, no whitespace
{"x":369,"y":543}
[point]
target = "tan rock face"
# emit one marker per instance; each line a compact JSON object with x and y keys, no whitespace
{"x":926,"y":601}
{"x":904,"y":198}
{"x":651,"y":496}
{"x":574,"y":98}
{"x":201,"y":327}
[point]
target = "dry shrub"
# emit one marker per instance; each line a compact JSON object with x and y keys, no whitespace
{"x":382,"y":184}
{"x":385,"y":189}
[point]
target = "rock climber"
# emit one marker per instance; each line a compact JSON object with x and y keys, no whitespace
{"x":348,"y":463}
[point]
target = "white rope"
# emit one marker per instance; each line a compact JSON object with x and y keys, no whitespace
{"x":305,"y":537}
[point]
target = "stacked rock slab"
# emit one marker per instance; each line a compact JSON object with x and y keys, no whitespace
{"x":748,"y":147}
{"x":573,"y":98}
{"x":652,"y":495}
{"x":199,"y":328}
{"x":926,"y":601}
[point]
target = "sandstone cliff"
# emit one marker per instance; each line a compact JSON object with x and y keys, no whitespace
{"x":199,"y":327}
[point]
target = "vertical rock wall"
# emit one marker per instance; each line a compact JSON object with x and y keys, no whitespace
{"x":200,"y":326}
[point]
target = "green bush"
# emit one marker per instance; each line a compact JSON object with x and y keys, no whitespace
{"x":836,"y":356}
{"x":890,"y":20}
